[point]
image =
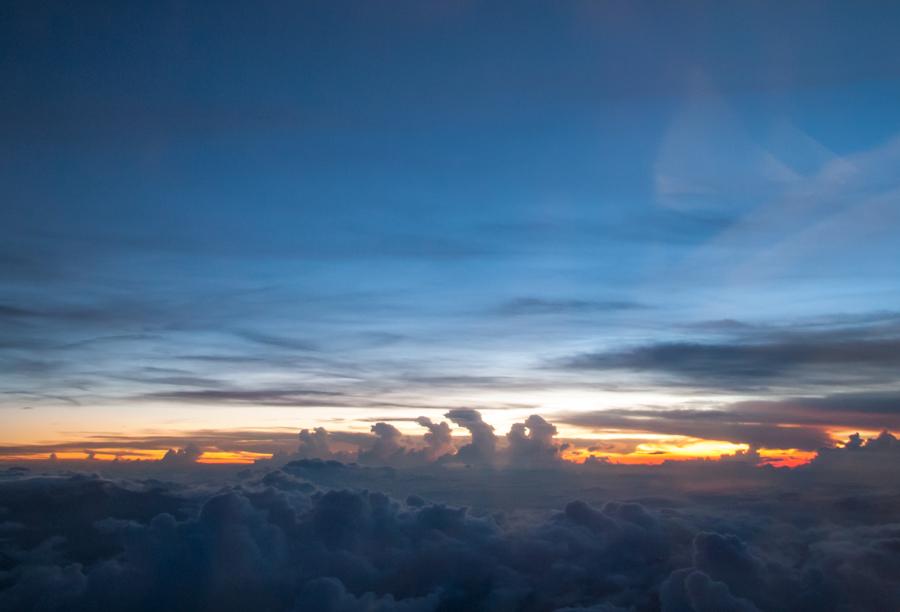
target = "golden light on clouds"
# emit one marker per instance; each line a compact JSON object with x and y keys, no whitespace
{"x":655,"y":451}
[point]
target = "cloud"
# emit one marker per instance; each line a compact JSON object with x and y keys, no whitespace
{"x":278,"y":539}
{"x":529,"y":443}
{"x":737,"y":427}
{"x":314,"y":443}
{"x":330,"y":595}
{"x":438,"y":440}
{"x":868,"y":410}
{"x":318,"y":444}
{"x":694,"y":591}
{"x":386,"y":447}
{"x":182,"y":456}
{"x":294,"y":344}
{"x":533,"y":441}
{"x":483,"y":447}
{"x":268,"y":397}
{"x":810,"y":359}
{"x":799,"y":422}
{"x":335,"y":550}
{"x":863,"y":460}
{"x":545,"y":306}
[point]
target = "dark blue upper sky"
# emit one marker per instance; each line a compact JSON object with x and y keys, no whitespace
{"x":380,"y":208}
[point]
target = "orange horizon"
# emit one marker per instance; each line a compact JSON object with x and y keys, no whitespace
{"x":775,"y":457}
{"x":648,"y":452}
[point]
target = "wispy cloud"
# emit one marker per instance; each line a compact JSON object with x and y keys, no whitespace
{"x":780,"y":358}
{"x":549,"y":306}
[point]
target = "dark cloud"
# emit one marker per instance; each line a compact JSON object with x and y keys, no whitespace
{"x":181,"y":456}
{"x":868,"y":410}
{"x":800,"y":422}
{"x":275,"y":541}
{"x":820,"y":359}
{"x":863,"y":460}
{"x":737,"y":427}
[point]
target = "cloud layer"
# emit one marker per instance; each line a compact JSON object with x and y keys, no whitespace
{"x":284,"y":539}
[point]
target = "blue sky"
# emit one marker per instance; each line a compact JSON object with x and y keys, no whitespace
{"x":278,"y":215}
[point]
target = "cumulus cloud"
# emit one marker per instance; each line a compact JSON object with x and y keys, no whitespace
{"x":691,"y":590}
{"x":314,"y":443}
{"x":386,"y":448}
{"x":182,"y":456}
{"x":862,"y":460}
{"x":483,"y":447}
{"x":438,"y":440}
{"x":318,"y":443}
{"x":533,"y":441}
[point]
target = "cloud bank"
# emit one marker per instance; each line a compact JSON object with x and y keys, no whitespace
{"x":283,"y":539}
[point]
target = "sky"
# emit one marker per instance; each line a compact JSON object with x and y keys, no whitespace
{"x":670,"y":230}
{"x":421,"y":306}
